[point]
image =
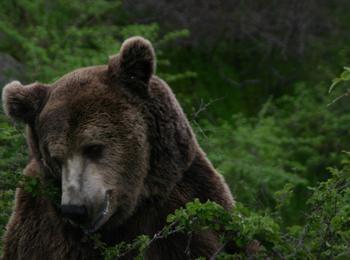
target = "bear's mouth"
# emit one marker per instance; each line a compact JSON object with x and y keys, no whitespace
{"x":102,"y":217}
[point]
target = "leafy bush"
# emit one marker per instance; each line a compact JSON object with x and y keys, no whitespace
{"x":56,"y":37}
{"x":325,"y":236}
{"x":292,"y":140}
{"x":12,"y":152}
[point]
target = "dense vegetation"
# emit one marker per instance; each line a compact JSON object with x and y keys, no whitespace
{"x":261,"y":111}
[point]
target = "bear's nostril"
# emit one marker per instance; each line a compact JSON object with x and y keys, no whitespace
{"x":76,"y":213}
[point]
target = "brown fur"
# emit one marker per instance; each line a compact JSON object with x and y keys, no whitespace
{"x":152,"y":158}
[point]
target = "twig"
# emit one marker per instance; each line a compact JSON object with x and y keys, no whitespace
{"x":188,"y":246}
{"x":213,"y":257}
{"x":203,"y":107}
{"x":347,"y":93}
{"x":200,"y":128}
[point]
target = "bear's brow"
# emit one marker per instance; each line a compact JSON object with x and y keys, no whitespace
{"x":56,"y":149}
{"x":89,"y":133}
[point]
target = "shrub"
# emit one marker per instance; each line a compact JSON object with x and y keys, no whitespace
{"x":325,"y":236}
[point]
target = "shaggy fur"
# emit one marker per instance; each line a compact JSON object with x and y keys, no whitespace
{"x":151,"y":159}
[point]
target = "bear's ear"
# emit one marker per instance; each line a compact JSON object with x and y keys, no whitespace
{"x":135,"y":61}
{"x":23,"y":103}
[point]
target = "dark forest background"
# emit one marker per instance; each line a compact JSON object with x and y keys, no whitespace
{"x":253,"y":78}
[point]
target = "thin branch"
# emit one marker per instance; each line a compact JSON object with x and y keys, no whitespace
{"x":347,"y":93}
{"x":188,"y":246}
{"x":203,"y":107}
{"x":220,"y":249}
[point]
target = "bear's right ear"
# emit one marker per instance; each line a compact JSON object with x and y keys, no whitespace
{"x":135,"y":62}
{"x":23,"y":102}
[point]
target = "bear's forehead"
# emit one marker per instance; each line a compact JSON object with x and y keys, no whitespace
{"x":65,"y":123}
{"x":90,"y":80}
{"x":82,"y":103}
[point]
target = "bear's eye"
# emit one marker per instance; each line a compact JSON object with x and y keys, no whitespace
{"x":93,"y":152}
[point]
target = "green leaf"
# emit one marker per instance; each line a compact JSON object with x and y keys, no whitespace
{"x":345,"y":76}
{"x":334,"y":83}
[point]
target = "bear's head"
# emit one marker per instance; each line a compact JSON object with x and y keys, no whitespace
{"x":112,"y":136}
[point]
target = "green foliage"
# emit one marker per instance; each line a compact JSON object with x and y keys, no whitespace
{"x":56,"y":37}
{"x":139,"y":244}
{"x":291,"y":141}
{"x":12,"y":154}
{"x":325,"y":236}
{"x":329,"y":222}
{"x":253,"y":157}
{"x":344,"y":76}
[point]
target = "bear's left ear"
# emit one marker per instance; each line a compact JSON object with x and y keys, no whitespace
{"x":135,"y":61}
{"x":23,"y":103}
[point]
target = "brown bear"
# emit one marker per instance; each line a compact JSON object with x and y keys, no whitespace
{"x":117,"y":143}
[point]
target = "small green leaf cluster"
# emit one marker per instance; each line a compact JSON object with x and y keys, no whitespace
{"x":344,"y":76}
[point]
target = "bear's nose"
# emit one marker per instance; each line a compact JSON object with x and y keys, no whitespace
{"x":76,"y":213}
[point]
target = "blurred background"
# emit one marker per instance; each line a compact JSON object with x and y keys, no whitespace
{"x":252,"y":76}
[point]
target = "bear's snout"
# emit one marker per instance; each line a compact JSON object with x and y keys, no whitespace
{"x":75,"y":213}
